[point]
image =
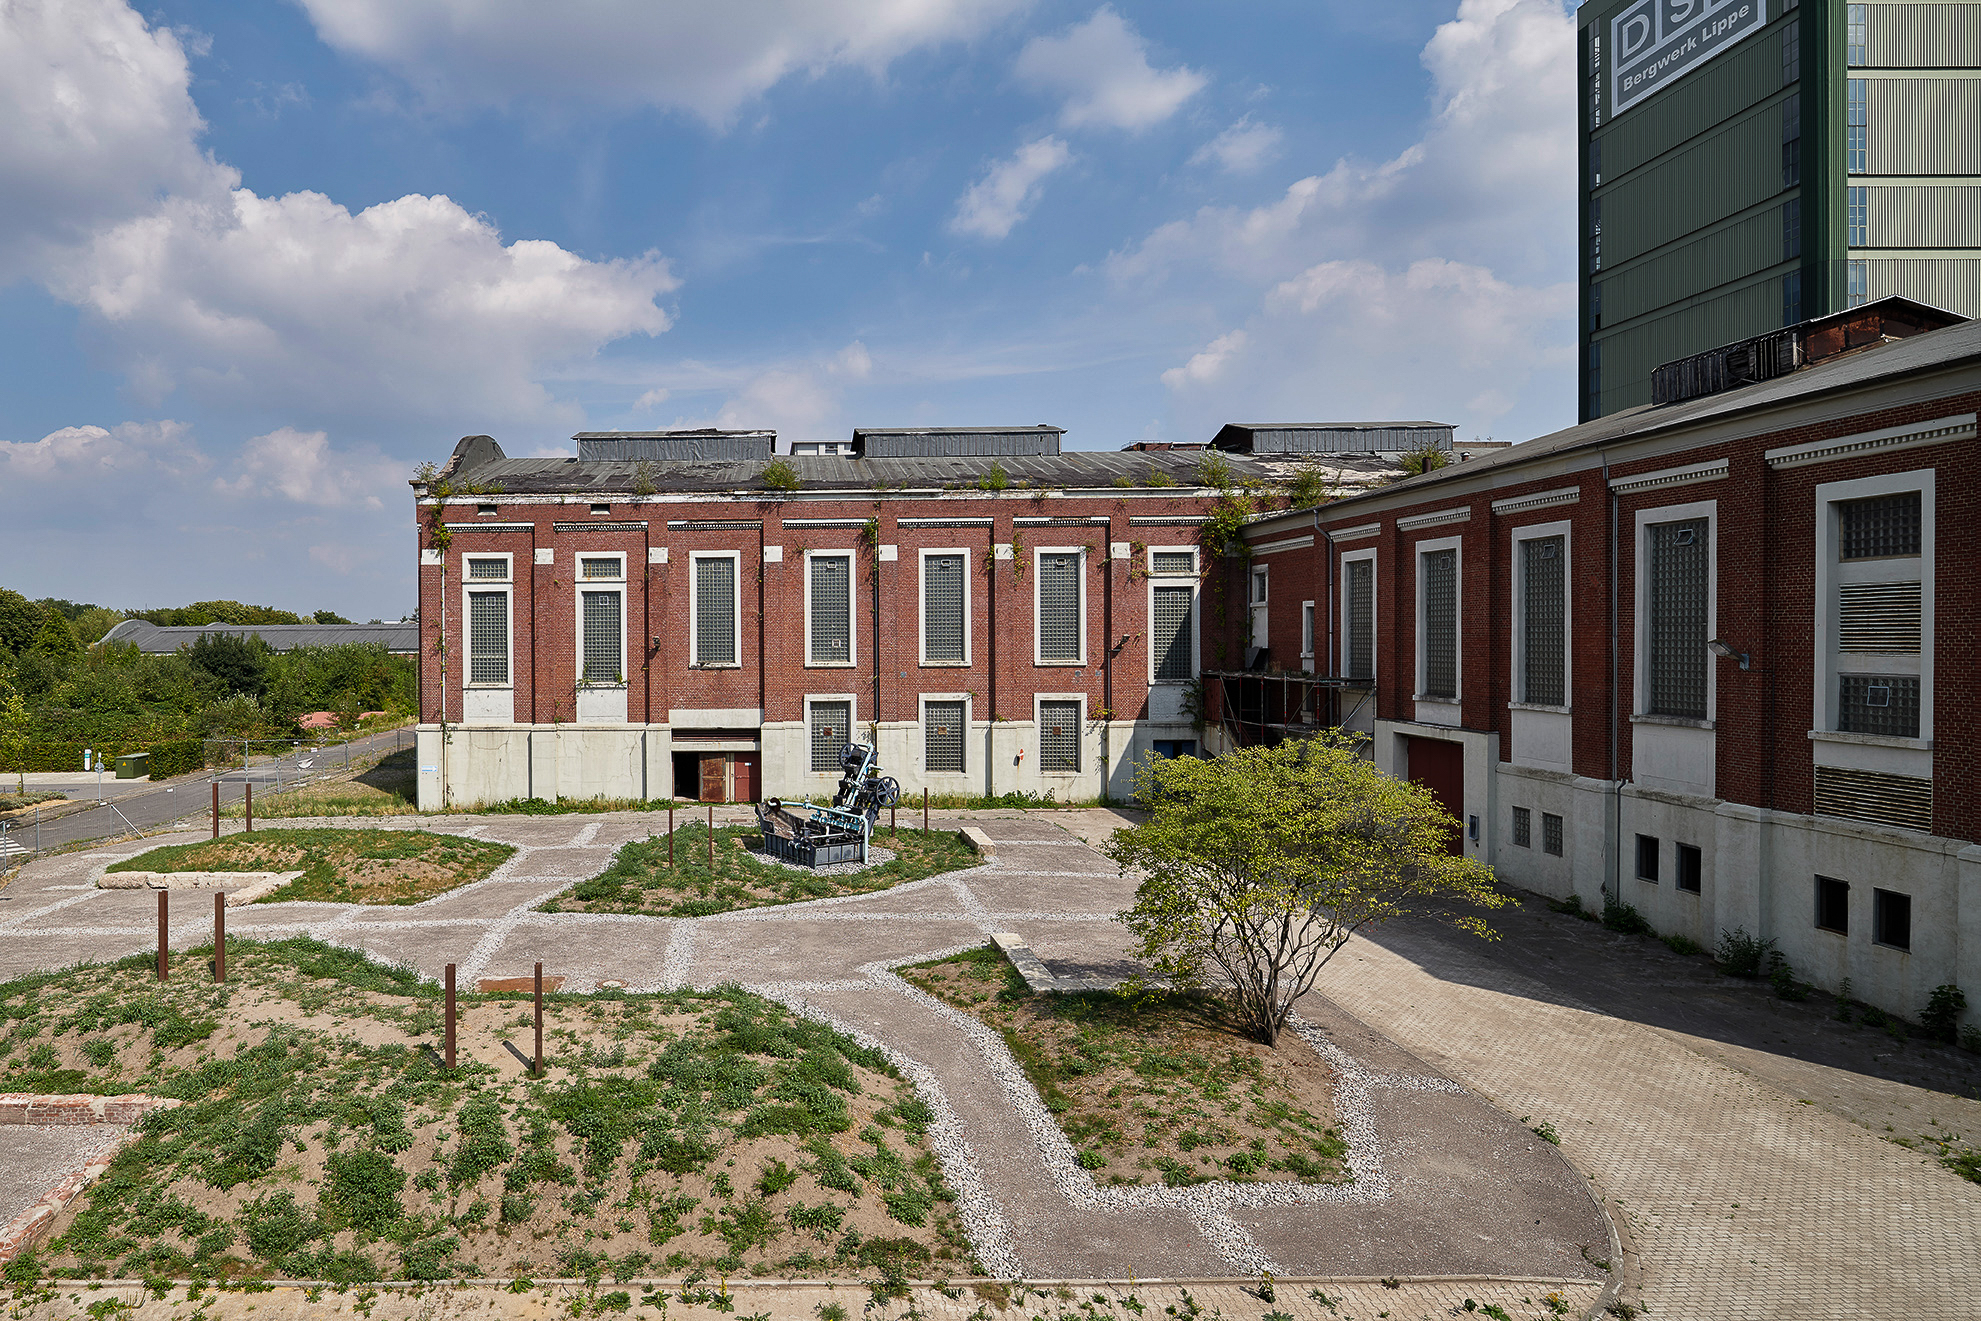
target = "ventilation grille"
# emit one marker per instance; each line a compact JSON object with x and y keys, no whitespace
{"x":1905,"y":801}
{"x":832,"y":611}
{"x":1169,"y":631}
{"x":942,"y":607}
{"x":829,"y":722}
{"x":1882,"y":618}
{"x":942,"y":746}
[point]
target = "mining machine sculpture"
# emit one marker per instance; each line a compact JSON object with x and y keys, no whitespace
{"x":813,"y":835}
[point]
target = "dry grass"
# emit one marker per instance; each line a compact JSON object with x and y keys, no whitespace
{"x":339,"y":865}
{"x":388,"y":786}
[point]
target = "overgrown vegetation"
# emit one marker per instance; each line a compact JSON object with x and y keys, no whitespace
{"x":387,"y":786}
{"x":1154,"y":1088}
{"x":320,"y":1137}
{"x":339,"y":866}
{"x":641,"y":880}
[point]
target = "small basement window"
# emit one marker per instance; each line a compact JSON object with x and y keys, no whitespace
{"x":484,"y":511}
{"x":1833,"y":905}
{"x":602,"y":510}
{"x":1891,"y":919}
{"x":1647,"y":858}
{"x":1687,"y":879}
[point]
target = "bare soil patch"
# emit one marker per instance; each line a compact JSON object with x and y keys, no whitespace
{"x":1158,"y":1088}
{"x":339,"y":866}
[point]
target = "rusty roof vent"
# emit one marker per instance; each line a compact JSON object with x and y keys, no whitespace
{"x":1779,"y":352}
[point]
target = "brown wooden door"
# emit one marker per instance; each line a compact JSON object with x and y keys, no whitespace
{"x":714,"y":777}
{"x":1439,"y":765}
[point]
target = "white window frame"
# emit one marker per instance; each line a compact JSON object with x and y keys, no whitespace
{"x":1258,"y":614}
{"x":922,"y":727}
{"x":1149,"y":560}
{"x":1307,"y":636}
{"x":505,"y":585}
{"x":1830,"y":572}
{"x":580,"y":585}
{"x":1038,"y":618}
{"x":1195,"y":584}
{"x":1418,"y":550}
{"x":1039,"y":732}
{"x":852,"y":629}
{"x":1641,"y":606}
{"x":852,"y":701}
{"x":922,"y":606}
{"x":1518,"y":614}
{"x":1346,"y":642}
{"x":736,"y":607}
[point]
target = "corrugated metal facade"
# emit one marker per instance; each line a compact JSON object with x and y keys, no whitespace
{"x":1931,"y":36}
{"x":1952,"y":283}
{"x":954,"y":444}
{"x":1924,"y":125}
{"x":678,"y":449}
{"x":1723,"y":254}
{"x":1349,"y":440}
{"x":1923,"y":215}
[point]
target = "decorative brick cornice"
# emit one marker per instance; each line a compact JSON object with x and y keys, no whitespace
{"x":1356,"y":533}
{"x":1462,"y":514}
{"x":1939,"y":431}
{"x":1663,"y":477}
{"x":1513,"y":504}
{"x":603,"y":526}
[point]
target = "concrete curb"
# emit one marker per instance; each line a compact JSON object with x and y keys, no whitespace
{"x":1039,"y":977}
{"x":252,"y":885}
{"x":978,"y":840}
{"x":19,"y":1234}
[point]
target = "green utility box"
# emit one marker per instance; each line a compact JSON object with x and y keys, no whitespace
{"x":134,"y":766}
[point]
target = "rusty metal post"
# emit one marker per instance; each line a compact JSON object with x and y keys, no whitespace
{"x":890,"y":818}
{"x":536,"y":1069}
{"x":249,"y":786}
{"x":216,"y":809}
{"x":219,"y":937}
{"x":670,"y":834}
{"x":925,"y":811}
{"x":450,"y":1015}
{"x":163,"y":933}
{"x":711,"y":836}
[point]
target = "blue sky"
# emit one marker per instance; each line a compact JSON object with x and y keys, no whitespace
{"x":258,"y":262}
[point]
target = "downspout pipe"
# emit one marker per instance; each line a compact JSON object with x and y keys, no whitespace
{"x":1612,"y":882}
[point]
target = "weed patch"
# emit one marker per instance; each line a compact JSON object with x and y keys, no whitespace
{"x":339,"y":865}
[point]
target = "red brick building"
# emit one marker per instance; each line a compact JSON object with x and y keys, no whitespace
{"x":1713,"y":658}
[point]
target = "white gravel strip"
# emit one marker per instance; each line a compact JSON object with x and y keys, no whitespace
{"x":876,"y":857}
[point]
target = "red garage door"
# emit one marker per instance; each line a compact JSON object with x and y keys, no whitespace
{"x":1439,"y":765}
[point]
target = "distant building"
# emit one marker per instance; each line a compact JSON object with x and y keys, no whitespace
{"x":154,"y":639}
{"x":1748,"y":165}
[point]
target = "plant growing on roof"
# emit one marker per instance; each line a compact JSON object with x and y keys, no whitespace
{"x":1259,"y":865}
{"x":780,"y":475}
{"x":643,"y":478}
{"x":1311,"y":487}
{"x":1428,"y":458}
{"x":994,"y":480}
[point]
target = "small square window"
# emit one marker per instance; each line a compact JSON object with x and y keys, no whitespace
{"x":487,"y":569}
{"x":1687,"y":879}
{"x":484,"y":511}
{"x":1647,"y":858}
{"x":1523,"y":827}
{"x":602,"y":510}
{"x":1169,"y":563}
{"x":598,"y":566}
{"x":1833,"y":905}
{"x":1891,"y":918}
{"x":1551,"y":834}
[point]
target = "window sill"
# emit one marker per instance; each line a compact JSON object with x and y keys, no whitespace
{"x":1676,"y":722}
{"x":1439,"y":698}
{"x":598,"y":687}
{"x":1896,"y":949}
{"x":814,"y":665}
{"x":945,"y":665}
{"x":1870,"y":740}
{"x":1060,"y":665}
{"x":1541,"y":706}
{"x":711,"y":665}
{"x":1832,"y":931}
{"x":489,"y":687}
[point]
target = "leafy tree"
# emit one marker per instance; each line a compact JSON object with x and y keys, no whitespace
{"x":328,"y":617}
{"x":16,"y":731}
{"x":1417,"y":462}
{"x":55,"y":638}
{"x":1259,"y":865}
{"x":92,"y":622}
{"x":20,"y":620}
{"x":241,"y":663}
{"x":218,"y":612}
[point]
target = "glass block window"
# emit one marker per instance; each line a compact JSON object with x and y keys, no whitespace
{"x":1059,"y":737}
{"x":1523,"y":827}
{"x":1885,"y":704}
{"x":1170,"y":563}
{"x":1857,"y":119}
{"x":1882,"y":526}
{"x":942,"y":608}
{"x":942,"y":736}
{"x":1854,"y":52}
{"x":831,"y":604}
{"x":1857,"y":283}
{"x":1860,"y":217}
{"x":715,"y":611}
{"x":603,"y":637}
{"x":599,"y":566}
{"x":1441,"y":623}
{"x":1059,"y":607}
{"x":1551,"y":834}
{"x":1791,"y":229}
{"x":1361,"y":619}
{"x":488,"y":636}
{"x":1169,"y":633}
{"x":831,"y":727}
{"x":1544,"y":592}
{"x":1675,"y":622}
{"x":496,"y":569}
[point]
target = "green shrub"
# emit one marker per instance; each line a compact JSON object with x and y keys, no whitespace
{"x":1624,"y":918}
{"x":177,"y":757}
{"x":1941,"y":1017}
{"x":1742,"y":955}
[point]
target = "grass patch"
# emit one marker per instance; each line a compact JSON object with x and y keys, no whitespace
{"x":388,"y":786}
{"x":13,"y":802}
{"x":576,"y":806}
{"x":321,"y":1138}
{"x":1159,"y":1088}
{"x":339,"y":865}
{"x":641,"y":881}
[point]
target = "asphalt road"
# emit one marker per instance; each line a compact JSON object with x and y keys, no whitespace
{"x":160,"y":804}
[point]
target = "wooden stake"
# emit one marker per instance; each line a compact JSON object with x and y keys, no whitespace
{"x":536,"y":1070}
{"x":670,"y":835}
{"x":162,"y":933}
{"x":711,"y":836}
{"x":925,"y":811}
{"x":251,"y":806}
{"x":219,"y":937}
{"x":450,"y":1016}
{"x":216,"y":809}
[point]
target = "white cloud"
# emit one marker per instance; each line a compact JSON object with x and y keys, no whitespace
{"x":1009,"y":190}
{"x":97,"y":122}
{"x":92,"y":454}
{"x":653,"y":398}
{"x":705,"y":59}
{"x":1244,"y":147}
{"x":1206,"y":366}
{"x":301,"y":466}
{"x":1101,"y":67}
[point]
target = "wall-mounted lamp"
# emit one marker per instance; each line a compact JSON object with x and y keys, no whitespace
{"x":1728,"y":650}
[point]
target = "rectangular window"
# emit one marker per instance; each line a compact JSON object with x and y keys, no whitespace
{"x":1171,"y":563}
{"x":1595,"y":161}
{"x":1169,"y":633}
{"x":1523,"y":827}
{"x":1880,"y":527}
{"x":1860,"y":222}
{"x":942,"y":609}
{"x":1059,"y":737}
{"x":1791,"y":53}
{"x":1059,"y":609}
{"x":1886,"y":704}
{"x":488,"y":636}
{"x":831,"y":731}
{"x":829,"y":599}
{"x":1857,"y":283}
{"x":1677,"y":619}
{"x":1544,"y":579}
{"x":1595,"y":305}
{"x":604,"y":637}
{"x":1551,"y":834}
{"x":1792,"y":163}
{"x":1791,"y":229}
{"x":1440,"y":623}
{"x":1833,"y":905}
{"x":1306,"y":628}
{"x":1687,"y":879}
{"x":1361,"y":619}
{"x":486,"y":569}
{"x":715,"y":610}
{"x":1857,"y":119}
{"x":1595,"y":234}
{"x":1791,"y":298}
{"x":1595,"y":380}
{"x":1647,"y":858}
{"x":1891,"y":918}
{"x":942,"y":736}
{"x":1854,"y":36}
{"x":1260,"y":634}
{"x":595,"y":567}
